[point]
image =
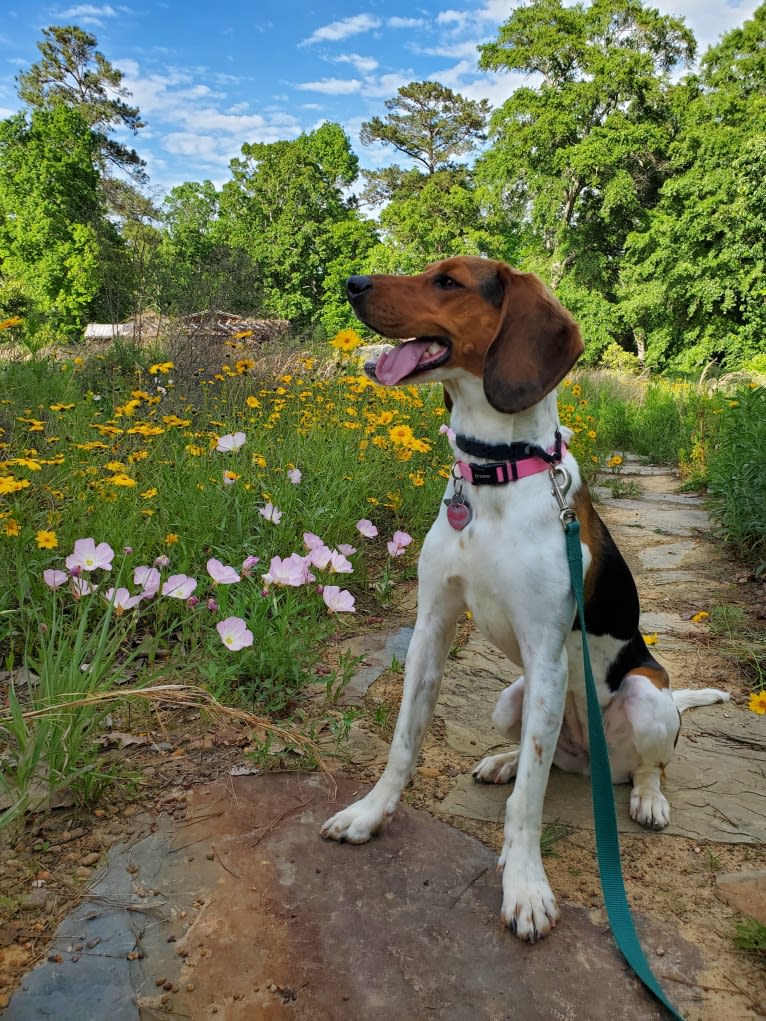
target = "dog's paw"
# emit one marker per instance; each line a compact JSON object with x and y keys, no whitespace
{"x":529,"y":907}
{"x":357,"y":823}
{"x":649,"y":808}
{"x":497,"y":768}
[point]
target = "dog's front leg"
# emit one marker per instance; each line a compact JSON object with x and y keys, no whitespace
{"x":529,"y":907}
{"x":426,"y":656}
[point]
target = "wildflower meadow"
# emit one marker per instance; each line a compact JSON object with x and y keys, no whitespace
{"x":217,"y":535}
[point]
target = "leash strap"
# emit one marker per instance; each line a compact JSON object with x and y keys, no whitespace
{"x":605,"y":819}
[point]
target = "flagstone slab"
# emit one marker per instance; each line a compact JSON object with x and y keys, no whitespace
{"x":245,"y":912}
{"x":714,"y":786}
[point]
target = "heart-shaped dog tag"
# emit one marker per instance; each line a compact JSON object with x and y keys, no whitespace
{"x":458,"y":512}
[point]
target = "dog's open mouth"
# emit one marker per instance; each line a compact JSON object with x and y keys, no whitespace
{"x":409,"y":358}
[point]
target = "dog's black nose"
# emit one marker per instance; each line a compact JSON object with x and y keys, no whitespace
{"x":355,"y":286}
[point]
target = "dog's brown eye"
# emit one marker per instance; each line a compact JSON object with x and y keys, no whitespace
{"x":446,"y":282}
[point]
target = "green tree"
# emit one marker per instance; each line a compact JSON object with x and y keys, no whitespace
{"x":694,"y":280}
{"x":282,"y":208}
{"x":55,"y":238}
{"x":195,"y":268}
{"x":73,"y":72}
{"x":441,"y":218}
{"x":580,"y":158}
{"x":428,"y":123}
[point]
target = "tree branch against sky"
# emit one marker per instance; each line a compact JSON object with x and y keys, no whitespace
{"x":73,"y":72}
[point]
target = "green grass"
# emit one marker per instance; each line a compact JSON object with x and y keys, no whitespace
{"x":737,"y":469}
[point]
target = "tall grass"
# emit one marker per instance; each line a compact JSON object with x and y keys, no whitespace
{"x":737,"y":467}
{"x":664,"y":421}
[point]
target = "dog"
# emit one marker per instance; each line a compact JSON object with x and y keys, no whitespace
{"x":500,"y":343}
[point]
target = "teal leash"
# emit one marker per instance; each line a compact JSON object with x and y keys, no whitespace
{"x":605,"y":819}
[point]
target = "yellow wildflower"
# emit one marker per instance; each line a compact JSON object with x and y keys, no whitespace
{"x":171,"y":538}
{"x":757,"y":703}
{"x":46,"y":539}
{"x":252,"y":402}
{"x":8,"y":484}
{"x":346,"y":341}
{"x":160,"y":368}
{"x":149,"y":493}
{"x":401,"y":435}
{"x":12,"y":527}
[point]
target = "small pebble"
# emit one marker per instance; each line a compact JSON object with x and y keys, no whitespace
{"x":660,"y":951}
{"x":160,"y":981}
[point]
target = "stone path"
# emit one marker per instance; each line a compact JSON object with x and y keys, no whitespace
{"x":243,"y":913}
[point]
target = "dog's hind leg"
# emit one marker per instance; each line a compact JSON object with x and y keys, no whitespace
{"x":438,"y":611}
{"x":641,"y":726}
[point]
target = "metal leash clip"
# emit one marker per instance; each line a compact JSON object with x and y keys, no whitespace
{"x":562,"y":480}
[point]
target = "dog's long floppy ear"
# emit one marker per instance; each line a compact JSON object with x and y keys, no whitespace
{"x":536,"y":344}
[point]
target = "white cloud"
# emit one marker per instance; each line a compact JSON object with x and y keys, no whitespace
{"x":406,"y":22}
{"x":364,"y":65}
{"x":332,"y":86}
{"x":709,"y":20}
{"x":468,"y":49}
{"x":87,"y":14}
{"x":457,"y":18}
{"x":386,"y":85}
{"x":343,"y":29}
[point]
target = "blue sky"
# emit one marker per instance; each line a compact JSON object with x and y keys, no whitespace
{"x":209,"y":77}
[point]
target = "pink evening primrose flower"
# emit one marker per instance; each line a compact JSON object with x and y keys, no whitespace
{"x":312,"y":541}
{"x":295,"y":476}
{"x":398,"y":544}
{"x":149,"y":580}
{"x":234,"y":633}
{"x":88,"y":556}
{"x":338,"y":600}
{"x":162,"y":560}
{"x":81,"y":587}
{"x":221,"y":574}
{"x":367,"y":529}
{"x":445,"y":430}
{"x":179,"y":586}
{"x":319,"y":556}
{"x":230,"y":442}
{"x":121,"y":599}
{"x":55,"y":579}
{"x":293,"y":570}
{"x":346,"y":549}
{"x":248,"y":564}
{"x":339,"y":564}
{"x":271,"y":513}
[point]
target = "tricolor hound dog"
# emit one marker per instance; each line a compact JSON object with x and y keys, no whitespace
{"x":500,"y":343}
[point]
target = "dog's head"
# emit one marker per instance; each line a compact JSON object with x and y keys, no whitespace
{"x":470,"y":315}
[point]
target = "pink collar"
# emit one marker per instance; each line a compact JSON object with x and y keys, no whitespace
{"x":500,"y":472}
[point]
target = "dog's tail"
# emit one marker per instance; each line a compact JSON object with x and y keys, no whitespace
{"x":689,"y":698}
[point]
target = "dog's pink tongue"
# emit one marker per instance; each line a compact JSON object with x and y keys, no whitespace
{"x":395,"y":365}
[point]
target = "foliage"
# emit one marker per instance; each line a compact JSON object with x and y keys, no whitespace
{"x":670,"y":422}
{"x":441,"y":219}
{"x":54,"y":233}
{"x":74,"y":73}
{"x":694,"y":277}
{"x":737,"y":468}
{"x":430,"y":124}
{"x":281,"y":208}
{"x":581,"y":157}
{"x":750,"y":935}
